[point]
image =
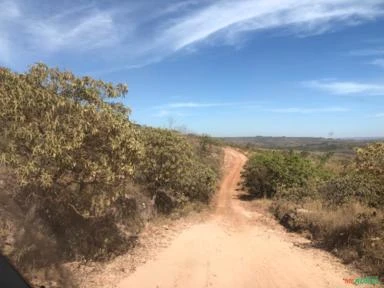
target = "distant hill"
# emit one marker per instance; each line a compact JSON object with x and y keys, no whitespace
{"x":345,"y":145}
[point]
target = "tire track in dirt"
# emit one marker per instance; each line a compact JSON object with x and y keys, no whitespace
{"x":234,"y":248}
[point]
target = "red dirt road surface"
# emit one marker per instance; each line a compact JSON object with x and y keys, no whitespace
{"x":237,"y":248}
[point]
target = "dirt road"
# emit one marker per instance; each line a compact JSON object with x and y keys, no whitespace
{"x":236,"y":248}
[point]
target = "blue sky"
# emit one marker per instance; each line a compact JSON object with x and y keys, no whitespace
{"x":226,"y":68}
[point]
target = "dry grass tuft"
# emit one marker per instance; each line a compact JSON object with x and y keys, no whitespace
{"x":353,"y":232}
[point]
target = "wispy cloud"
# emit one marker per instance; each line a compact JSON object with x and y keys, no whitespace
{"x":9,"y":10}
{"x":168,"y":113}
{"x":367,"y":52}
{"x":378,"y":62}
{"x":371,"y":53}
{"x":147,"y":32}
{"x":9,"y":13}
{"x":233,"y":17}
{"x":197,"y":105}
{"x":301,"y":110}
{"x":76,"y":30}
{"x":379,"y":115}
{"x":5,"y":50}
{"x":95,"y":29}
{"x":179,"y":109}
{"x":346,"y":87}
{"x":185,"y":108}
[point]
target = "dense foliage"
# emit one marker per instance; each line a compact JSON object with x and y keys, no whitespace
{"x":170,"y":166}
{"x":294,"y":176}
{"x":370,"y":160}
{"x":267,"y":172}
{"x":345,"y":211}
{"x":80,"y":161}
{"x":68,"y":145}
{"x":363,"y":180}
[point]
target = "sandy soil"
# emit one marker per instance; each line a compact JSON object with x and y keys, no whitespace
{"x":237,"y":247}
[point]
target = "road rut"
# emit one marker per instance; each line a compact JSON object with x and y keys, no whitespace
{"x":235,"y":248}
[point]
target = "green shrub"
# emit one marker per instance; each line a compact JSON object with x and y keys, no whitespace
{"x":370,"y":159}
{"x":206,"y":143}
{"x":268,"y":172}
{"x":70,"y":148}
{"x":347,"y":218}
{"x":298,"y":193}
{"x":170,"y":167}
{"x":353,"y":187}
{"x":68,"y":145}
{"x":363,"y":181}
{"x":83,"y":168}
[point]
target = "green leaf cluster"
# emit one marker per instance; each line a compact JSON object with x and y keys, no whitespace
{"x":171,"y":166}
{"x":267,"y":172}
{"x":363,"y":180}
{"x":65,"y":140}
{"x":79,"y":159}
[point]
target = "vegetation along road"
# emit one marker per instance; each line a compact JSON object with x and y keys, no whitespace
{"x":238,"y":247}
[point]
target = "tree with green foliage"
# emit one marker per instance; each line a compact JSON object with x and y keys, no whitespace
{"x":363,"y":180}
{"x":325,"y":158}
{"x":266,"y":172}
{"x":370,"y":159}
{"x":206,"y":143}
{"x":78,"y":158}
{"x":169,"y":165}
{"x":68,"y":144}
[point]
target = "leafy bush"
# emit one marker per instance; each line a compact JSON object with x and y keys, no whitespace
{"x":298,"y":193}
{"x":353,"y":187}
{"x":268,"y":172}
{"x":208,"y":150}
{"x":71,"y":149}
{"x":370,"y":159}
{"x":348,"y":218}
{"x":363,"y":181}
{"x":170,"y":167}
{"x":206,"y":143}
{"x":67,"y":144}
{"x":83,"y":168}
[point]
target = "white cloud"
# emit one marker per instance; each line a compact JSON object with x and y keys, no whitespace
{"x":9,"y":10}
{"x":309,"y":110}
{"x":9,"y":13}
{"x":237,"y":16}
{"x":168,"y":113}
{"x":5,"y":52}
{"x":94,"y":30}
{"x":25,"y":32}
{"x":378,"y":62}
{"x":367,"y":52}
{"x":162,"y":113}
{"x":379,"y":115}
{"x":195,"y":105}
{"x":172,"y":109}
{"x":141,"y":36}
{"x":371,"y":53}
{"x":346,"y":88}
{"x":223,"y":22}
{"x":178,"y":109}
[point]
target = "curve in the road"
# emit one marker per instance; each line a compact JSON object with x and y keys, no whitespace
{"x":234,"y":250}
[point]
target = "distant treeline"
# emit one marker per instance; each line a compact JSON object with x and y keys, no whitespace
{"x":301,"y":143}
